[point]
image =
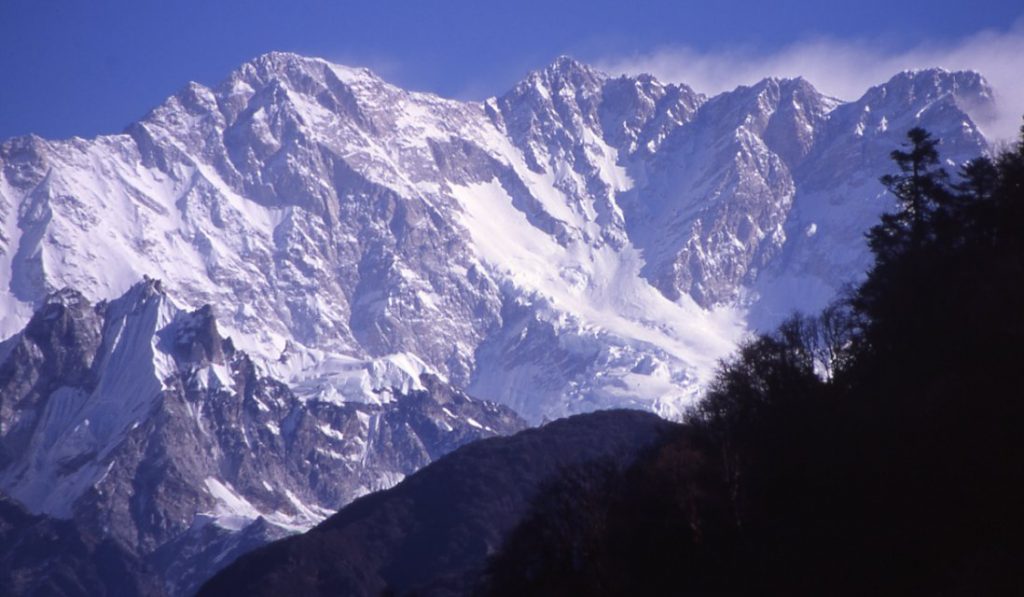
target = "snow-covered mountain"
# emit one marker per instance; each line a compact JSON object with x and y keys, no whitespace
{"x":434,"y":533}
{"x":581,"y":242}
{"x":138,"y":421}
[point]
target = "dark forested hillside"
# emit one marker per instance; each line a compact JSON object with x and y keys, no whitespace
{"x":432,"y":533}
{"x":872,"y":449}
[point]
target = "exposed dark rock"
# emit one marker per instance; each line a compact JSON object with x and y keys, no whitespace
{"x":432,"y":533}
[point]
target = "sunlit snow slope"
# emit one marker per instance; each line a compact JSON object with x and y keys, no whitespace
{"x":580,"y":242}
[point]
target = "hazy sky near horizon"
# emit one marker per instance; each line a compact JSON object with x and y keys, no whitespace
{"x":86,"y":68}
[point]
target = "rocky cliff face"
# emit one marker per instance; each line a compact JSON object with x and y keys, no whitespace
{"x":141,"y":423}
{"x":580,"y":242}
{"x":432,"y":534}
{"x":837,"y":191}
{"x":47,"y":556}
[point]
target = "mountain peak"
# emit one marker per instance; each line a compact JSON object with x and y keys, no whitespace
{"x":565,"y":68}
{"x":147,"y":295}
{"x":273,"y":66}
{"x":933,"y":87}
{"x":564,"y":78}
{"x":277,"y":59}
{"x":566,"y":63}
{"x":296,"y":71}
{"x":148,"y":287}
{"x":940,"y":79}
{"x":561,"y":248}
{"x":786,"y":84}
{"x":67,"y":297}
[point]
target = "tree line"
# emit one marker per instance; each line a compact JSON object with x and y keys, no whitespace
{"x":874,"y":448}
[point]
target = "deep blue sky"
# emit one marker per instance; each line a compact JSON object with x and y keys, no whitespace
{"x":83,"y":67}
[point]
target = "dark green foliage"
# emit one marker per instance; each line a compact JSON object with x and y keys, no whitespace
{"x":874,"y":449}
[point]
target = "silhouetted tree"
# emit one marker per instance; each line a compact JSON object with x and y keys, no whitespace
{"x":919,"y":189}
{"x":874,"y":449}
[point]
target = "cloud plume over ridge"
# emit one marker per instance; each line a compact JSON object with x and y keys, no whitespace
{"x":847,"y":68}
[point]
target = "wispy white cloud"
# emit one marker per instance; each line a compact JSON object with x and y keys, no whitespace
{"x":847,"y":68}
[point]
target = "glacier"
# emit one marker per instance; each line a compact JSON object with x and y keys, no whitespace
{"x":583,"y":241}
{"x":267,"y":298}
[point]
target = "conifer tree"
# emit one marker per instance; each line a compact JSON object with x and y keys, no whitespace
{"x":919,"y":188}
